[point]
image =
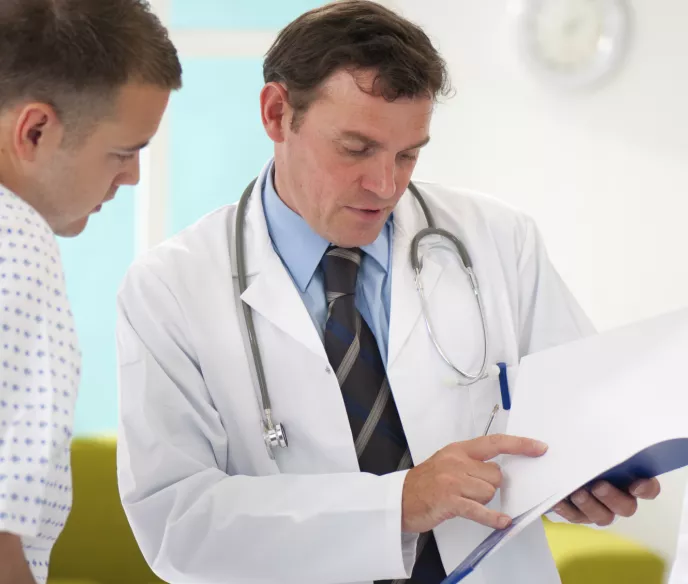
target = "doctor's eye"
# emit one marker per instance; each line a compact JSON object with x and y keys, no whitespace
{"x":358,"y":153}
{"x":408,"y":157}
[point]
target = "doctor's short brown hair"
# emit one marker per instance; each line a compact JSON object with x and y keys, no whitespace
{"x":75,"y":55}
{"x":356,"y":35}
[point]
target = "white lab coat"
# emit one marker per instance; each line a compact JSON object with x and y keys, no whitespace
{"x":206,"y":502}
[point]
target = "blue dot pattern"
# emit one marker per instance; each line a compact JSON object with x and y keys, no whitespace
{"x":40,"y":366}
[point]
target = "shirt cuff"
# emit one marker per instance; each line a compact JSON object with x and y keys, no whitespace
{"x":407,"y":550}
{"x":409,"y":547}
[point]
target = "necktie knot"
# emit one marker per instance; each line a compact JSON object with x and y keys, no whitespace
{"x":340,"y":268}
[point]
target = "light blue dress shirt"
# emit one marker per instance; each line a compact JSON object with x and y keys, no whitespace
{"x":301,"y":250}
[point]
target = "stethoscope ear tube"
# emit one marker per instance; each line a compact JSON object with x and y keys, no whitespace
{"x":273,"y":434}
{"x":416,"y":261}
{"x":464,"y":378}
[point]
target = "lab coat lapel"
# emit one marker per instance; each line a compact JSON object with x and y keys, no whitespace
{"x":405,"y":304}
{"x":271,"y":292}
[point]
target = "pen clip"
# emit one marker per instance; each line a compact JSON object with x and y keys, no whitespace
{"x":492,"y":417}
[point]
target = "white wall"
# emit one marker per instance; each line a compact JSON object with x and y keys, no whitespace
{"x":604,"y":173}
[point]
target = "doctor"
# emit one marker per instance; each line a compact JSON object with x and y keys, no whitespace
{"x":351,"y":371}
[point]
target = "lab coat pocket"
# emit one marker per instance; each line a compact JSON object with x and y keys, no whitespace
{"x":491,"y":403}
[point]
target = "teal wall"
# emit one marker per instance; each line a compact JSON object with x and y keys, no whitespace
{"x":95,"y":263}
{"x":217,"y":146}
{"x":237,"y":14}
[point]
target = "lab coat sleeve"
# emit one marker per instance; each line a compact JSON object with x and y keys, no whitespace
{"x":196,"y":524}
{"x":548,"y":313}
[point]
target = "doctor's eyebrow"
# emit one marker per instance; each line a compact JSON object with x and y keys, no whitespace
{"x":420,"y":144}
{"x":370,"y":142}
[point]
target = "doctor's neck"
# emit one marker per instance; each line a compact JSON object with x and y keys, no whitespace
{"x":281,"y":188}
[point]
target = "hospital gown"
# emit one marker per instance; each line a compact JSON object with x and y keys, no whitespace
{"x":39,"y":376}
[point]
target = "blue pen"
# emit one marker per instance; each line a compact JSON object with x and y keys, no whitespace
{"x":506,"y":398}
{"x":504,"y":386}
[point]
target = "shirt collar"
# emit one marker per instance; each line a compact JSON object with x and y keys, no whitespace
{"x":301,"y":248}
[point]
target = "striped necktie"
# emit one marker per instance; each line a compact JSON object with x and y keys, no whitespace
{"x":378,"y":434}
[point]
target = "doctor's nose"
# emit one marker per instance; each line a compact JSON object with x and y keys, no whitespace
{"x":380,"y":178}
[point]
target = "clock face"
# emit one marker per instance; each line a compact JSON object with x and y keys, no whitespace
{"x":573,"y":42}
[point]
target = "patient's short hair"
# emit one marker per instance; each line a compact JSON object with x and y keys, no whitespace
{"x":76,"y":54}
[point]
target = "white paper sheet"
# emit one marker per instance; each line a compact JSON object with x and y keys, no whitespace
{"x":612,"y":406}
{"x":596,"y":403}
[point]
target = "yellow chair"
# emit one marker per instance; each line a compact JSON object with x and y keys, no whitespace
{"x":97,"y":546}
{"x":589,"y":556}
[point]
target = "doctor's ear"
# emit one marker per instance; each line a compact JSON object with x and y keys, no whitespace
{"x":37,"y":130}
{"x":275,"y":110}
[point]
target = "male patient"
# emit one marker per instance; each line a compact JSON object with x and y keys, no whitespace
{"x":83,"y":86}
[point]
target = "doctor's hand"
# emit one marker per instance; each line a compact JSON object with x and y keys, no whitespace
{"x":458,"y":481}
{"x":601,"y":504}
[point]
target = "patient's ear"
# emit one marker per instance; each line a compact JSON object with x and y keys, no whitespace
{"x":38,"y":133}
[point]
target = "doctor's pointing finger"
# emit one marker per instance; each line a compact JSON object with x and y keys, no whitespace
{"x":458,"y":482}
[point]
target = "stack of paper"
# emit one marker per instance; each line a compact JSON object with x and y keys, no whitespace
{"x":613,"y":406}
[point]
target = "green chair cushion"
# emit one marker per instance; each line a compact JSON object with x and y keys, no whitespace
{"x":97,"y":545}
{"x":591,"y":556}
{"x":71,"y":581}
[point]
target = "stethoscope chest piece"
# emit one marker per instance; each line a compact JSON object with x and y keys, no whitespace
{"x":275,"y":437}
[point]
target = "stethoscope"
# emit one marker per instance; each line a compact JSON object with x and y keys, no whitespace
{"x":275,"y":434}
